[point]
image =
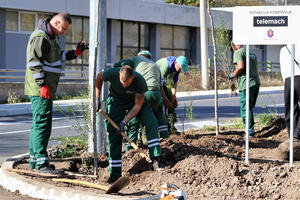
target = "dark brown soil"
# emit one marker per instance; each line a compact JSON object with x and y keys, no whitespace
{"x":205,"y":166}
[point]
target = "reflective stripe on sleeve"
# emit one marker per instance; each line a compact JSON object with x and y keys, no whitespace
{"x":39,"y":75}
{"x":52,"y":69}
{"x":34,"y":64}
{"x":53,"y":64}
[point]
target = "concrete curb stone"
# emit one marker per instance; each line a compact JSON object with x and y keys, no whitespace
{"x":26,"y":186}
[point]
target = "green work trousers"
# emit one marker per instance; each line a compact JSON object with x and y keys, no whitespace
{"x":116,"y":110}
{"x":153,"y":97}
{"x":170,"y":113}
{"x":40,"y":131}
{"x":254,"y":90}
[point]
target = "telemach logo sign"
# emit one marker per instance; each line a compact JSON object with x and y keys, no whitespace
{"x":270,"y":21}
{"x":263,"y":25}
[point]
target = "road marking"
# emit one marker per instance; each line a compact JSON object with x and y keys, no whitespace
{"x":198,"y":124}
{"x":30,"y":121}
{"x":25,"y":131}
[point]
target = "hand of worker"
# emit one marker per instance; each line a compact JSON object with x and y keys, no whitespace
{"x":231,"y":75}
{"x":81,"y":46}
{"x":98,"y":104}
{"x":167,"y":103}
{"x":174,"y":101}
{"x":45,"y":92}
{"x":122,"y":126}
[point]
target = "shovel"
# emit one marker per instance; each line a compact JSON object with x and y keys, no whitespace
{"x":114,"y":188}
{"x":141,"y":164}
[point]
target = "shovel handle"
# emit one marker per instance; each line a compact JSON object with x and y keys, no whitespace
{"x":122,"y":133}
{"x":118,"y":128}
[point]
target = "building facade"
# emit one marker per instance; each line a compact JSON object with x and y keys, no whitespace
{"x":132,"y":25}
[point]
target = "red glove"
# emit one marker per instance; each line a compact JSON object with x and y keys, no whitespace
{"x":81,"y":46}
{"x":45,"y":92}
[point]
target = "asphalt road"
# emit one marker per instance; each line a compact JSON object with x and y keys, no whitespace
{"x":14,"y":130}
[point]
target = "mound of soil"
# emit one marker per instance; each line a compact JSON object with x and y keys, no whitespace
{"x":205,"y":166}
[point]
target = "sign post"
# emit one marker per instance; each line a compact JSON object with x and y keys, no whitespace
{"x":266,"y":25}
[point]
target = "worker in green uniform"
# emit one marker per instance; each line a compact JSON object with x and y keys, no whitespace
{"x":44,"y":59}
{"x":239,"y":61}
{"x":126,"y":101}
{"x":151,"y":73}
{"x":170,"y":68}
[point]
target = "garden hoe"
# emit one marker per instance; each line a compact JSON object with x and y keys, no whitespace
{"x":114,"y":188}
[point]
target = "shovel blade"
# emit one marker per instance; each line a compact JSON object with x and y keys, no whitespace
{"x":140,"y":166}
{"x":118,"y":185}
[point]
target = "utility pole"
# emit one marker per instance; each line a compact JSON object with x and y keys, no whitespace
{"x":102,"y":59}
{"x":204,"y":45}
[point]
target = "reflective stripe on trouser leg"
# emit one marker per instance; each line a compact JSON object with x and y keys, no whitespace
{"x":163,"y":131}
{"x":116,"y":111}
{"x":155,"y":100}
{"x":146,"y":118}
{"x":32,"y":162}
{"x":41,"y":129}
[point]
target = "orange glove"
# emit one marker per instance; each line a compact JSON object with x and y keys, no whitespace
{"x":45,"y":92}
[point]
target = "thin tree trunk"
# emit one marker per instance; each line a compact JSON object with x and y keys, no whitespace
{"x":215,"y":67}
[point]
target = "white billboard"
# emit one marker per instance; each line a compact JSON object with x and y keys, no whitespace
{"x":266,"y":25}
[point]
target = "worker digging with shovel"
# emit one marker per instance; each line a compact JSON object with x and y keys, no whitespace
{"x":127,"y":93}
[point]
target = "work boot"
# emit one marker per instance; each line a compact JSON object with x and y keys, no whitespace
{"x":48,"y":170}
{"x":112,"y":179}
{"x":157,"y":163}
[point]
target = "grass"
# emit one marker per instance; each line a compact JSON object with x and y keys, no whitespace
{"x":208,"y":128}
{"x":71,"y":144}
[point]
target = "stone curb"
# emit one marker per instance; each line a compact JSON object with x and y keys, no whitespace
{"x":26,"y":186}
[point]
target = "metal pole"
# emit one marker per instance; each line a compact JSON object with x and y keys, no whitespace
{"x":102,"y":59}
{"x":285,"y":2}
{"x":204,"y":45}
{"x":94,"y":25}
{"x":292,"y":104}
{"x":247,"y":104}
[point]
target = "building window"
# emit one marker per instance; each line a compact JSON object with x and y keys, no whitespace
{"x":174,"y":41}
{"x":132,"y":37}
{"x":79,"y":30}
{"x":11,"y":23}
{"x":27,"y":22}
{"x":20,"y":21}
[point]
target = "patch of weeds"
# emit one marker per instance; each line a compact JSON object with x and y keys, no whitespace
{"x":265,"y":119}
{"x":237,"y":124}
{"x":71,"y":144}
{"x":208,"y":128}
{"x":189,"y":111}
{"x":13,"y":98}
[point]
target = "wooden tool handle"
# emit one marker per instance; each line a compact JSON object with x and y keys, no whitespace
{"x":118,"y":128}
{"x":93,"y":185}
{"x":32,"y":173}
